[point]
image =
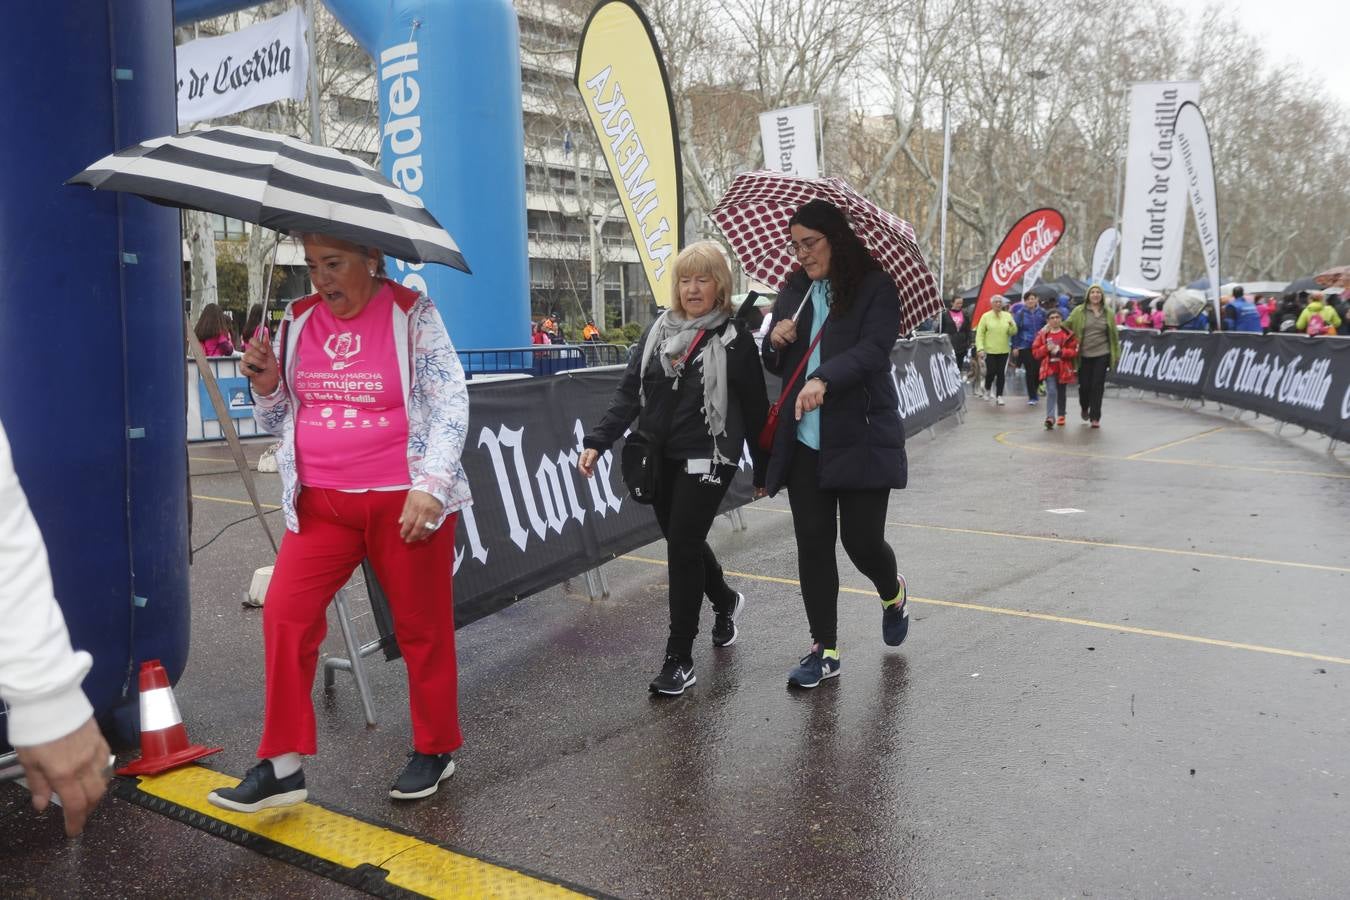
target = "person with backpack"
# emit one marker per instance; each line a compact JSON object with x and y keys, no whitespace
{"x":1318,"y":317}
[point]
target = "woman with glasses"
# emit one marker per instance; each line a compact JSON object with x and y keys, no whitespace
{"x":839,"y":448}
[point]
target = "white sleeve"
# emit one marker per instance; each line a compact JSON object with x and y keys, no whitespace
{"x":40,"y":673}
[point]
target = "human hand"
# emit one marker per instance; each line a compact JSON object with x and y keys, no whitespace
{"x":74,"y":767}
{"x":260,"y":365}
{"x":417,"y":522}
{"x":784,"y":333}
{"x":586,"y":462}
{"x":761,"y":492}
{"x":811,"y":397}
{"x":980,"y":354}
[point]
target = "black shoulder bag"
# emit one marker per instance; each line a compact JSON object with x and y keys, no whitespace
{"x":640,"y":461}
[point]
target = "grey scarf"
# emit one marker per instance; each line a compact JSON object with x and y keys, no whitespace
{"x":670,"y":338}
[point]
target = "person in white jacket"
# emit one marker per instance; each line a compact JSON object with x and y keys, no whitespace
{"x":51,"y":723}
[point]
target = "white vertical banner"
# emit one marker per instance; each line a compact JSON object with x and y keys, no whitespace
{"x":1034,"y":272}
{"x":255,"y":65}
{"x":789,"y":138}
{"x":1153,"y":216}
{"x":1104,"y":253}
{"x":1197,"y":161}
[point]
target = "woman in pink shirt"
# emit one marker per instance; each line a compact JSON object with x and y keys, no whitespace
{"x":212,"y":331}
{"x":368,"y":397}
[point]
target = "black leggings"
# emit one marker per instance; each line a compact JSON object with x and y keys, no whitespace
{"x":995,"y":369}
{"x":685,"y":508}
{"x":1092,"y":385}
{"x":861,"y":525}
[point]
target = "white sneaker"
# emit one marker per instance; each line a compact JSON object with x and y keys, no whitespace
{"x":999,"y":401}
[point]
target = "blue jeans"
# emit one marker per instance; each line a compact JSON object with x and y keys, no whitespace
{"x":1056,"y":396}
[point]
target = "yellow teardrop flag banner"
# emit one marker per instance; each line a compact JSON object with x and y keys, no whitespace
{"x":623,"y":83}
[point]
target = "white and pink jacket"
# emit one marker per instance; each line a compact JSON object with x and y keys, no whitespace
{"x":434,"y":393}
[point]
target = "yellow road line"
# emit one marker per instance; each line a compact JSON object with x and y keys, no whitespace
{"x":1142,"y":453}
{"x":1083,"y":542}
{"x":1002,"y":438}
{"x":235,"y":502}
{"x":412,"y":864}
{"x":1043,"y":617}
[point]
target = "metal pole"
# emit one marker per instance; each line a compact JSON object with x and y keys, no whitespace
{"x":946,"y":163}
{"x":315,"y":119}
{"x":1121,"y":162}
{"x":820,"y":142}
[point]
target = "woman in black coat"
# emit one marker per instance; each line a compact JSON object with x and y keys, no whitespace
{"x":698,"y":388}
{"x":955,"y":323}
{"x":840,"y":445}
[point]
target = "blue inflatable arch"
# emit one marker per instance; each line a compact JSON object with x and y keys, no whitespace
{"x":91,"y":377}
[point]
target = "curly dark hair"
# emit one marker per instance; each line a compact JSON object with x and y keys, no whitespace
{"x":849,"y":259}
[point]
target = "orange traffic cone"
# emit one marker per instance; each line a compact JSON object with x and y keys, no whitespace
{"x":164,"y":740}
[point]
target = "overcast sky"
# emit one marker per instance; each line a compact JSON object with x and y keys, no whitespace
{"x":1307,"y":33}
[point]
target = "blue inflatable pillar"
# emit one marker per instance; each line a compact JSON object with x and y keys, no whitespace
{"x":448,"y":75}
{"x":92,"y":320}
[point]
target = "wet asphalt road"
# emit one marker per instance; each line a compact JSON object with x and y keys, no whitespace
{"x":995,"y":754}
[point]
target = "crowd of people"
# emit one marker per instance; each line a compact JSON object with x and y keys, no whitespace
{"x":1314,"y":313}
{"x":1076,"y":341}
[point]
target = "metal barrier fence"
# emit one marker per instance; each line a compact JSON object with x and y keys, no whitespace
{"x":541,"y":359}
{"x":202,"y":424}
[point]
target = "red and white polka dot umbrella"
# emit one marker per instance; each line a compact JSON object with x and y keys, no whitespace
{"x":754,"y":213}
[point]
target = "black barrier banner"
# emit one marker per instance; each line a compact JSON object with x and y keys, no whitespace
{"x":1296,"y":379}
{"x":927,"y":380}
{"x":1172,"y":362}
{"x":535,"y":519}
{"x":1300,"y":380}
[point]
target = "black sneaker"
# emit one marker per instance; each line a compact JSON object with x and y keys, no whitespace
{"x":260,"y":790}
{"x":724,"y":626}
{"x":422,"y":775}
{"x":676,"y":675}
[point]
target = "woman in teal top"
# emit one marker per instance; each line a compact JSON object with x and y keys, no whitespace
{"x":839,"y":448}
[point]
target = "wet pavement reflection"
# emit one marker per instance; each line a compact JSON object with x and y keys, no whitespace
{"x":994,"y":754}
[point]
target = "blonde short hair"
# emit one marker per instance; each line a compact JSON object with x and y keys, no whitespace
{"x":702,"y":258}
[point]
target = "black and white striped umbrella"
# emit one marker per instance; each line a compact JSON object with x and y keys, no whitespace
{"x":281,"y":183}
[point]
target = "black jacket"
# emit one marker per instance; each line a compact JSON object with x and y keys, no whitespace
{"x":960,"y":337}
{"x":688,"y":436}
{"x":862,"y":440}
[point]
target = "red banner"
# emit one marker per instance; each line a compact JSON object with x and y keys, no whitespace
{"x":1034,"y":235}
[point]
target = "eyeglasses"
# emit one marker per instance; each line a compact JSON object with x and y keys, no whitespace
{"x":805,"y":245}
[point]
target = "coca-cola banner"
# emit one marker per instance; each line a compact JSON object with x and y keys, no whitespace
{"x":1153,"y":207}
{"x":1032,"y":238}
{"x":1296,"y":379}
{"x":1172,"y":362}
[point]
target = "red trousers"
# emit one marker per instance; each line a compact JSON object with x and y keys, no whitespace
{"x":336,"y":531}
